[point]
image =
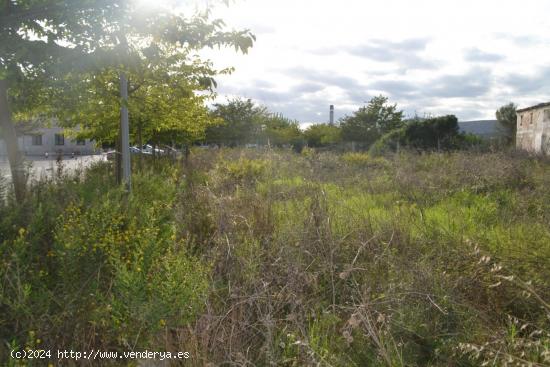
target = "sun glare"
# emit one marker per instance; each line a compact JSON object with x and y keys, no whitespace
{"x":153,"y":4}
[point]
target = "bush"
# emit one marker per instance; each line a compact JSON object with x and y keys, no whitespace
{"x":432,"y":134}
{"x":390,"y":142}
{"x":99,"y":270}
{"x":416,"y":260}
{"x":272,"y":258}
{"x":322,"y":135}
{"x":364,"y":160}
{"x":244,"y":170}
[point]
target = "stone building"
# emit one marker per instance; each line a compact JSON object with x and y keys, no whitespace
{"x":533,"y":128}
{"x":52,"y":141}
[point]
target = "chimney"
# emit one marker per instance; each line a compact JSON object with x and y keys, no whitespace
{"x":331,"y":120}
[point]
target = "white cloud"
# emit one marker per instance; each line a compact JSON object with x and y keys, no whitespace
{"x":465,"y":57}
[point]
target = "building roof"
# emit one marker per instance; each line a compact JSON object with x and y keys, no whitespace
{"x":540,"y":105}
{"x":485,"y":128}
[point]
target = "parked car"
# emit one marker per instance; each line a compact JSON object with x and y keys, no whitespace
{"x":148,"y":149}
{"x":136,"y":150}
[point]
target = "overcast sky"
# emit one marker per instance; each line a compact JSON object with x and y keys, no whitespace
{"x":429,"y":56}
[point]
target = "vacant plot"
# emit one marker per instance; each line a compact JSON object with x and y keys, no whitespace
{"x":250,"y":257}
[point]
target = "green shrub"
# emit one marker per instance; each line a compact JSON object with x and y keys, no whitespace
{"x":403,"y":263}
{"x":364,"y":160}
{"x":390,"y":142}
{"x":432,"y":134}
{"x":322,"y":135}
{"x":244,"y":170}
{"x":102,"y":270}
{"x":272,"y":258}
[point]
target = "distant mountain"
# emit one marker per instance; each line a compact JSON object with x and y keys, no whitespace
{"x":484,"y":128}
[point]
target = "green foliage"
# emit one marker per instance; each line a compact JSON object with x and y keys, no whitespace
{"x":471,"y":140}
{"x":79,"y":84}
{"x":101,"y":267}
{"x":163,"y":104}
{"x":438,"y":259}
{"x":62,"y":60}
{"x":437,"y":133}
{"x":241,"y":123}
{"x":165,"y":77}
{"x":352,"y":260}
{"x":433,"y":133}
{"x":507,"y":117}
{"x":364,"y":160}
{"x":322,"y":135}
{"x":280,"y":131}
{"x":243,"y":170}
{"x":35,"y":35}
{"x":370,"y":122}
{"x":389,"y":142}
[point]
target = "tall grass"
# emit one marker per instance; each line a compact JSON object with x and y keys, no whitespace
{"x":251,"y":257}
{"x":323,"y":259}
{"x":86,"y":267}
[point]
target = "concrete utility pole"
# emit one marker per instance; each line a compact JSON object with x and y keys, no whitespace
{"x":331,"y":117}
{"x":125,"y":133}
{"x":10,"y":139}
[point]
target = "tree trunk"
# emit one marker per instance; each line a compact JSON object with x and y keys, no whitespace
{"x":10,"y":139}
{"x":187,"y":154}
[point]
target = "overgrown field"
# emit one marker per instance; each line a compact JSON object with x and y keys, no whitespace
{"x":251,"y":257}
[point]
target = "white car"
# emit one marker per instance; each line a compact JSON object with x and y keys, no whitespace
{"x":136,"y":150}
{"x":148,"y":149}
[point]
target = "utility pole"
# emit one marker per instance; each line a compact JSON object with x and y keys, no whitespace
{"x":10,"y":139}
{"x":125,"y":133}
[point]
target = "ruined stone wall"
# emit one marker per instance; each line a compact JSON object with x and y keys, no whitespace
{"x":533,"y":130}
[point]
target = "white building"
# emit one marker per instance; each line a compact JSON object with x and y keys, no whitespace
{"x":533,"y":128}
{"x":52,"y":141}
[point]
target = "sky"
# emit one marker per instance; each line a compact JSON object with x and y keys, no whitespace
{"x":430,"y":57}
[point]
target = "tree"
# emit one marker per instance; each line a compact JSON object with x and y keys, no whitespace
{"x":437,"y":133}
{"x":425,"y":134}
{"x":37,"y":36}
{"x":506,"y":116}
{"x":323,"y":135}
{"x":279,"y":130}
{"x":370,"y":122}
{"x":163,"y":102}
{"x":241,"y":123}
{"x":30,"y":36}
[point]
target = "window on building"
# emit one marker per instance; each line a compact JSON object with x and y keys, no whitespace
{"x":37,"y":139}
{"x":59,"y":139}
{"x":531,"y":118}
{"x":547,"y":115}
{"x":80,"y":142}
